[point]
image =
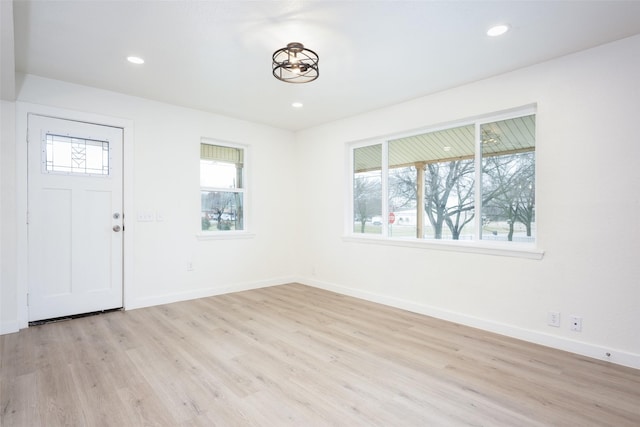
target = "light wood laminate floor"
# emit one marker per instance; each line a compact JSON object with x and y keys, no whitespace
{"x":300,"y":356}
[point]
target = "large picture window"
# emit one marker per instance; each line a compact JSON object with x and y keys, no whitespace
{"x":222,"y":188}
{"x":474,"y":181}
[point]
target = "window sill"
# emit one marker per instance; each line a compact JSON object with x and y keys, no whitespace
{"x":225,"y":235}
{"x":485,"y":248}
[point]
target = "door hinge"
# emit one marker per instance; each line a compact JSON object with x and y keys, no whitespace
{"x":27,"y":299}
{"x":27,"y":217}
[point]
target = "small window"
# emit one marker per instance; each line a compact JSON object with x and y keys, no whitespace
{"x":222,"y":188}
{"x":64,"y":154}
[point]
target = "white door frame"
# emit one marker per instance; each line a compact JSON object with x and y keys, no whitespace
{"x":23,"y":109}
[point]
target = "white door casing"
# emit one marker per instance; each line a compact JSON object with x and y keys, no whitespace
{"x":75,"y":219}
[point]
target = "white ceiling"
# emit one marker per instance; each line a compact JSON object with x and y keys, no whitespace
{"x":216,"y":55}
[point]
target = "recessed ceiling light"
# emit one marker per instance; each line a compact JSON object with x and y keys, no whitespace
{"x":297,"y":104}
{"x":135,"y":60}
{"x":497,"y":30}
{"x":446,"y":148}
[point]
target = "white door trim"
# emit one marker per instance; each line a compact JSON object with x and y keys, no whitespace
{"x":23,"y":109}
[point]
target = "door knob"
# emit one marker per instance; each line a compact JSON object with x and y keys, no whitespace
{"x":116,"y":228}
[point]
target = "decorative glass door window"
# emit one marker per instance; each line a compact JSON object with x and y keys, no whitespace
{"x":65,"y":154}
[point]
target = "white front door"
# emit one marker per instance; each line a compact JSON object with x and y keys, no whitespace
{"x":75,"y":220}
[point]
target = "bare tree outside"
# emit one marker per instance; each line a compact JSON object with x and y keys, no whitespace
{"x":449,"y":196}
{"x":367,"y":187}
{"x":221,"y":208}
{"x":448,"y":200}
{"x":402,"y":187}
{"x":367,"y":197}
{"x":511,"y":181}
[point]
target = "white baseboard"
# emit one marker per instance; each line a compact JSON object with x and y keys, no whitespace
{"x":619,"y":357}
{"x":9,"y":327}
{"x":203,"y":293}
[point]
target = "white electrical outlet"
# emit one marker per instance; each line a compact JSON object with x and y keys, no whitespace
{"x":553,"y":318}
{"x":575,"y":323}
{"x":189,"y":266}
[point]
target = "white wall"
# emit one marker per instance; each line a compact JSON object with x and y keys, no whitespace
{"x":8,"y":242}
{"x":588,"y":183}
{"x":8,"y":306}
{"x":164,"y":177}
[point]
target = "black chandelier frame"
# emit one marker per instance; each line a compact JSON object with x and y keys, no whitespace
{"x":295,"y":64}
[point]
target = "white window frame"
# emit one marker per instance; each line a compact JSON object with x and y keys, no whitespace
{"x":511,"y":249}
{"x":228,"y":234}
